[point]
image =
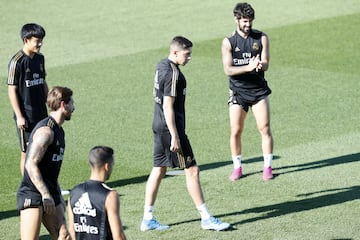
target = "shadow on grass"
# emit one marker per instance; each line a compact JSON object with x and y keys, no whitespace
{"x":45,"y":237}
{"x":123,"y":182}
{"x":320,"y":164}
{"x":203,"y":167}
{"x":286,"y":169}
{"x":143,"y":179}
{"x":9,"y":214}
{"x":305,"y":166}
{"x":336,"y":196}
{"x":283,"y":170}
{"x":277,"y":171}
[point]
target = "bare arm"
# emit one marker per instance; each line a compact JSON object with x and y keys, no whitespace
{"x":14,"y":101}
{"x":71,"y":220}
{"x":170,"y":122}
{"x":265,"y":53}
{"x":42,"y":138}
{"x":112,"y":206}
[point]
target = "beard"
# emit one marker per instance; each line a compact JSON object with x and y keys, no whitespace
{"x":67,"y":117}
{"x":245,"y":29}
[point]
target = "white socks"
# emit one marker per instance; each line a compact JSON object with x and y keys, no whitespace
{"x":204,"y":213}
{"x":267,"y":160}
{"x":237,"y":161}
{"x":148,"y":212}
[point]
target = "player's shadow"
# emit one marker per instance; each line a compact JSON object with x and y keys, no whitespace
{"x":355,"y":157}
{"x":277,"y":170}
{"x":45,"y":237}
{"x":123,"y":182}
{"x":305,"y":166}
{"x":143,"y":179}
{"x":334,"y":197}
{"x":9,"y":214}
{"x":203,"y":167}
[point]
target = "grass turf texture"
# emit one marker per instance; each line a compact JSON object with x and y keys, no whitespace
{"x":314,"y":79}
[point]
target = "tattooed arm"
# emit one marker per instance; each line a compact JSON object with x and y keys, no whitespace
{"x":42,"y":138}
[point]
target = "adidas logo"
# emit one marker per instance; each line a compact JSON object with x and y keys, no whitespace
{"x":237,"y":49}
{"x":27,"y":70}
{"x":83,"y":206}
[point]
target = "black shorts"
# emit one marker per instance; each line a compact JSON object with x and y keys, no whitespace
{"x":163,"y":157}
{"x":24,"y":135}
{"x":247,"y":98}
{"x":30,"y":199}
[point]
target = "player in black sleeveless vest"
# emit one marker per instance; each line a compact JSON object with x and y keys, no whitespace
{"x":172,"y":147}
{"x":27,"y":88}
{"x":93,"y":207}
{"x":39,"y":197}
{"x":245,"y":56}
{"x":252,"y":82}
{"x":49,"y":167}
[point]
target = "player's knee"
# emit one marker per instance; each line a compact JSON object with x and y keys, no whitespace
{"x":236,"y":132}
{"x":193,"y":171}
{"x":265,"y":129}
{"x":266,"y":135}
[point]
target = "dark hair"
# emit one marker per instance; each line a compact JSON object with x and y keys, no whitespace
{"x":56,"y":95}
{"x":30,"y":30}
{"x":181,"y":42}
{"x":99,"y":155}
{"x":244,"y":10}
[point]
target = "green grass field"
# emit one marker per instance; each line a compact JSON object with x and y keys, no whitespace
{"x":106,"y":52}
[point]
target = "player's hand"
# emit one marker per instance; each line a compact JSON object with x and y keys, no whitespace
{"x":255,"y":63}
{"x":175,"y":144}
{"x":48,"y":205}
{"x":21,"y":122}
{"x":259,"y":66}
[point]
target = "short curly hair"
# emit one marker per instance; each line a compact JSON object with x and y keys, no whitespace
{"x":244,"y":10}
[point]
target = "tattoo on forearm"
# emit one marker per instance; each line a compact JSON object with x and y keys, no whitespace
{"x":41,"y":140}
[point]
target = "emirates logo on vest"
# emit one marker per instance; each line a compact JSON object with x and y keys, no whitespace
{"x":83,"y":206}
